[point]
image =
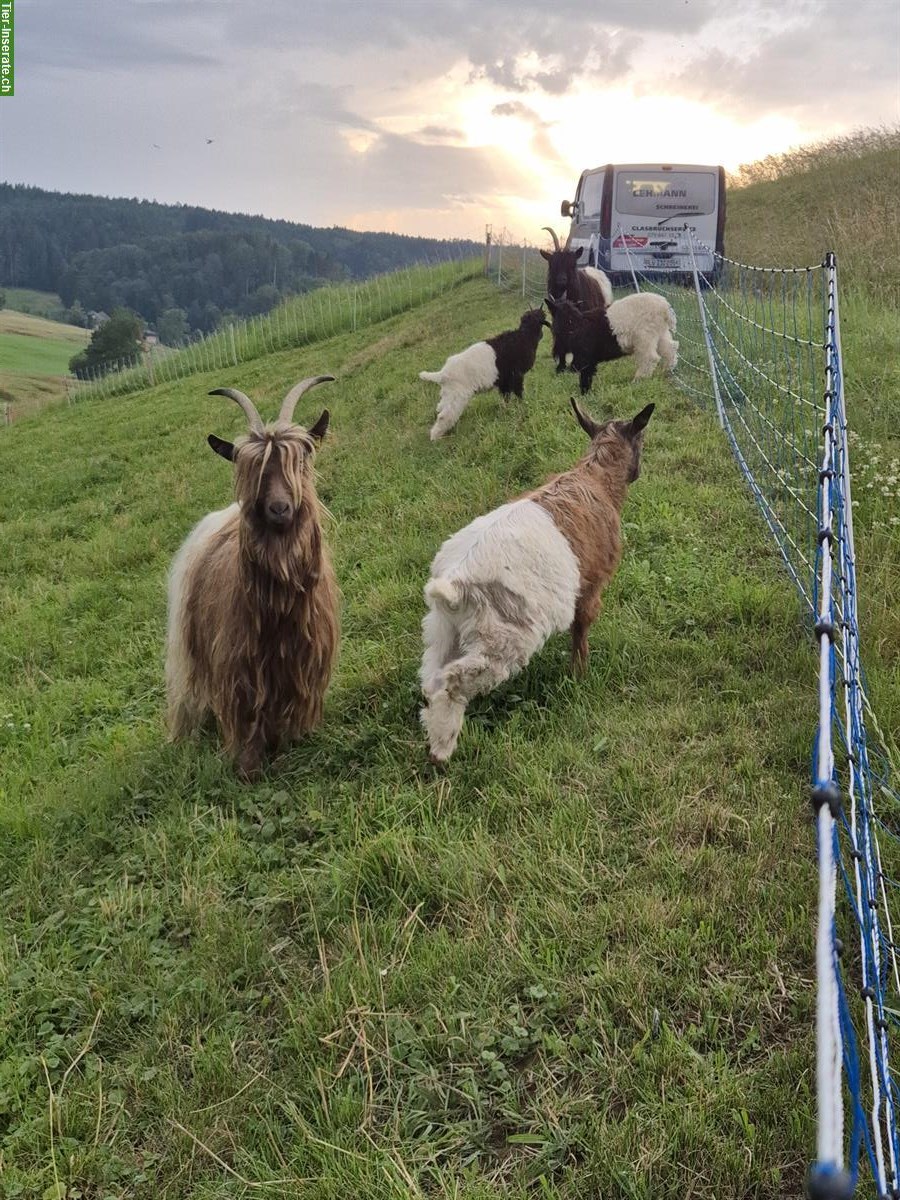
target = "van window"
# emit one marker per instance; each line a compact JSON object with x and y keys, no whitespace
{"x":665,"y":193}
{"x":591,"y":194}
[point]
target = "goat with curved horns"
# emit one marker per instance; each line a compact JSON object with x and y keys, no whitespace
{"x":585,"y":287}
{"x":253,"y":602}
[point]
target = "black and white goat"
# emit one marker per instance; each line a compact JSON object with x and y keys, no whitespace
{"x":502,"y":362}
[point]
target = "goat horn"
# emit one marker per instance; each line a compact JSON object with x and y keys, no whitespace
{"x":591,"y":428}
{"x":290,"y":401}
{"x":256,"y":421}
{"x":552,"y":232}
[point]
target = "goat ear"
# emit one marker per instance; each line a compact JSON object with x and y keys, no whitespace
{"x":578,"y":253}
{"x":318,"y":430}
{"x":546,"y":254}
{"x":591,"y":428}
{"x":226,"y":449}
{"x":638,"y":422}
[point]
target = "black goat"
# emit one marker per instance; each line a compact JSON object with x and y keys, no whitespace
{"x":641,"y":325}
{"x":585,"y":287}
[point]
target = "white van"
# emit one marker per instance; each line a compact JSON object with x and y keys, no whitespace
{"x":638,"y":215}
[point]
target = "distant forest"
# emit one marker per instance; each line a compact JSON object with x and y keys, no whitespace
{"x":156,"y":259}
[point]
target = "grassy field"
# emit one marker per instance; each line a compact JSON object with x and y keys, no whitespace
{"x":839,"y":196}
{"x":577,"y":964}
{"x":27,"y":300}
{"x":34,"y":360}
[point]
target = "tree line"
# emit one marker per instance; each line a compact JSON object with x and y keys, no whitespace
{"x":180,"y":266}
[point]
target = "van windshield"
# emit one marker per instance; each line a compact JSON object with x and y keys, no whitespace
{"x":665,"y":193}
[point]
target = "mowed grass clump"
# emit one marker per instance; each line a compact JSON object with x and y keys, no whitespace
{"x":576,"y":964}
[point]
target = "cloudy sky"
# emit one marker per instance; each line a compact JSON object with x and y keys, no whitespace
{"x":426,"y":116}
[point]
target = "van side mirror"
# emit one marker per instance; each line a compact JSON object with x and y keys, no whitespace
{"x":566,"y":209}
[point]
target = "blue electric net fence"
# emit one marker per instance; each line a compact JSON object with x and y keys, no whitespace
{"x":763,"y":345}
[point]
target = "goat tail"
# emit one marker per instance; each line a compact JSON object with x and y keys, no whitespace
{"x":671,"y":319}
{"x":432,"y":376}
{"x":447,"y":594}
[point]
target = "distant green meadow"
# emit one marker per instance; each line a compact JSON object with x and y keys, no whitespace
{"x":34,"y":356}
{"x":578,"y":963}
{"x":28,"y":300}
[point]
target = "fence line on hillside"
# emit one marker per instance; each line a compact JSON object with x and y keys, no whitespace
{"x":761,"y":345}
{"x":300,"y":321}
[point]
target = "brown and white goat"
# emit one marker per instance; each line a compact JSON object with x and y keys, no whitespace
{"x":253,"y":602}
{"x":538,"y":565}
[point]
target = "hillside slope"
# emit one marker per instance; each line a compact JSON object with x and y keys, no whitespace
{"x":575,"y":965}
{"x":845,"y":203}
{"x":34,"y":361}
{"x":118,"y":252}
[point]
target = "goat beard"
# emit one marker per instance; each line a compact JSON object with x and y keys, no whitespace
{"x":291,"y":639}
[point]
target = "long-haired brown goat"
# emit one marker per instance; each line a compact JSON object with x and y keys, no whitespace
{"x":535,"y":566}
{"x":253,"y":602}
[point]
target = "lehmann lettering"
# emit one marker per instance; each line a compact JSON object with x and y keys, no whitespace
{"x":652,"y":193}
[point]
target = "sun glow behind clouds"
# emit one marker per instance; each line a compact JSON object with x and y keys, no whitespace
{"x":555,"y":138}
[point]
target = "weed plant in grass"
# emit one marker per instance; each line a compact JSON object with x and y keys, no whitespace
{"x":577,"y":964}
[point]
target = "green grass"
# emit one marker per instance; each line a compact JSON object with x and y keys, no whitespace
{"x":27,"y":300}
{"x":300,"y":321}
{"x":577,"y":964}
{"x":838,"y":196}
{"x":20,"y":354}
{"x":34,"y":361}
